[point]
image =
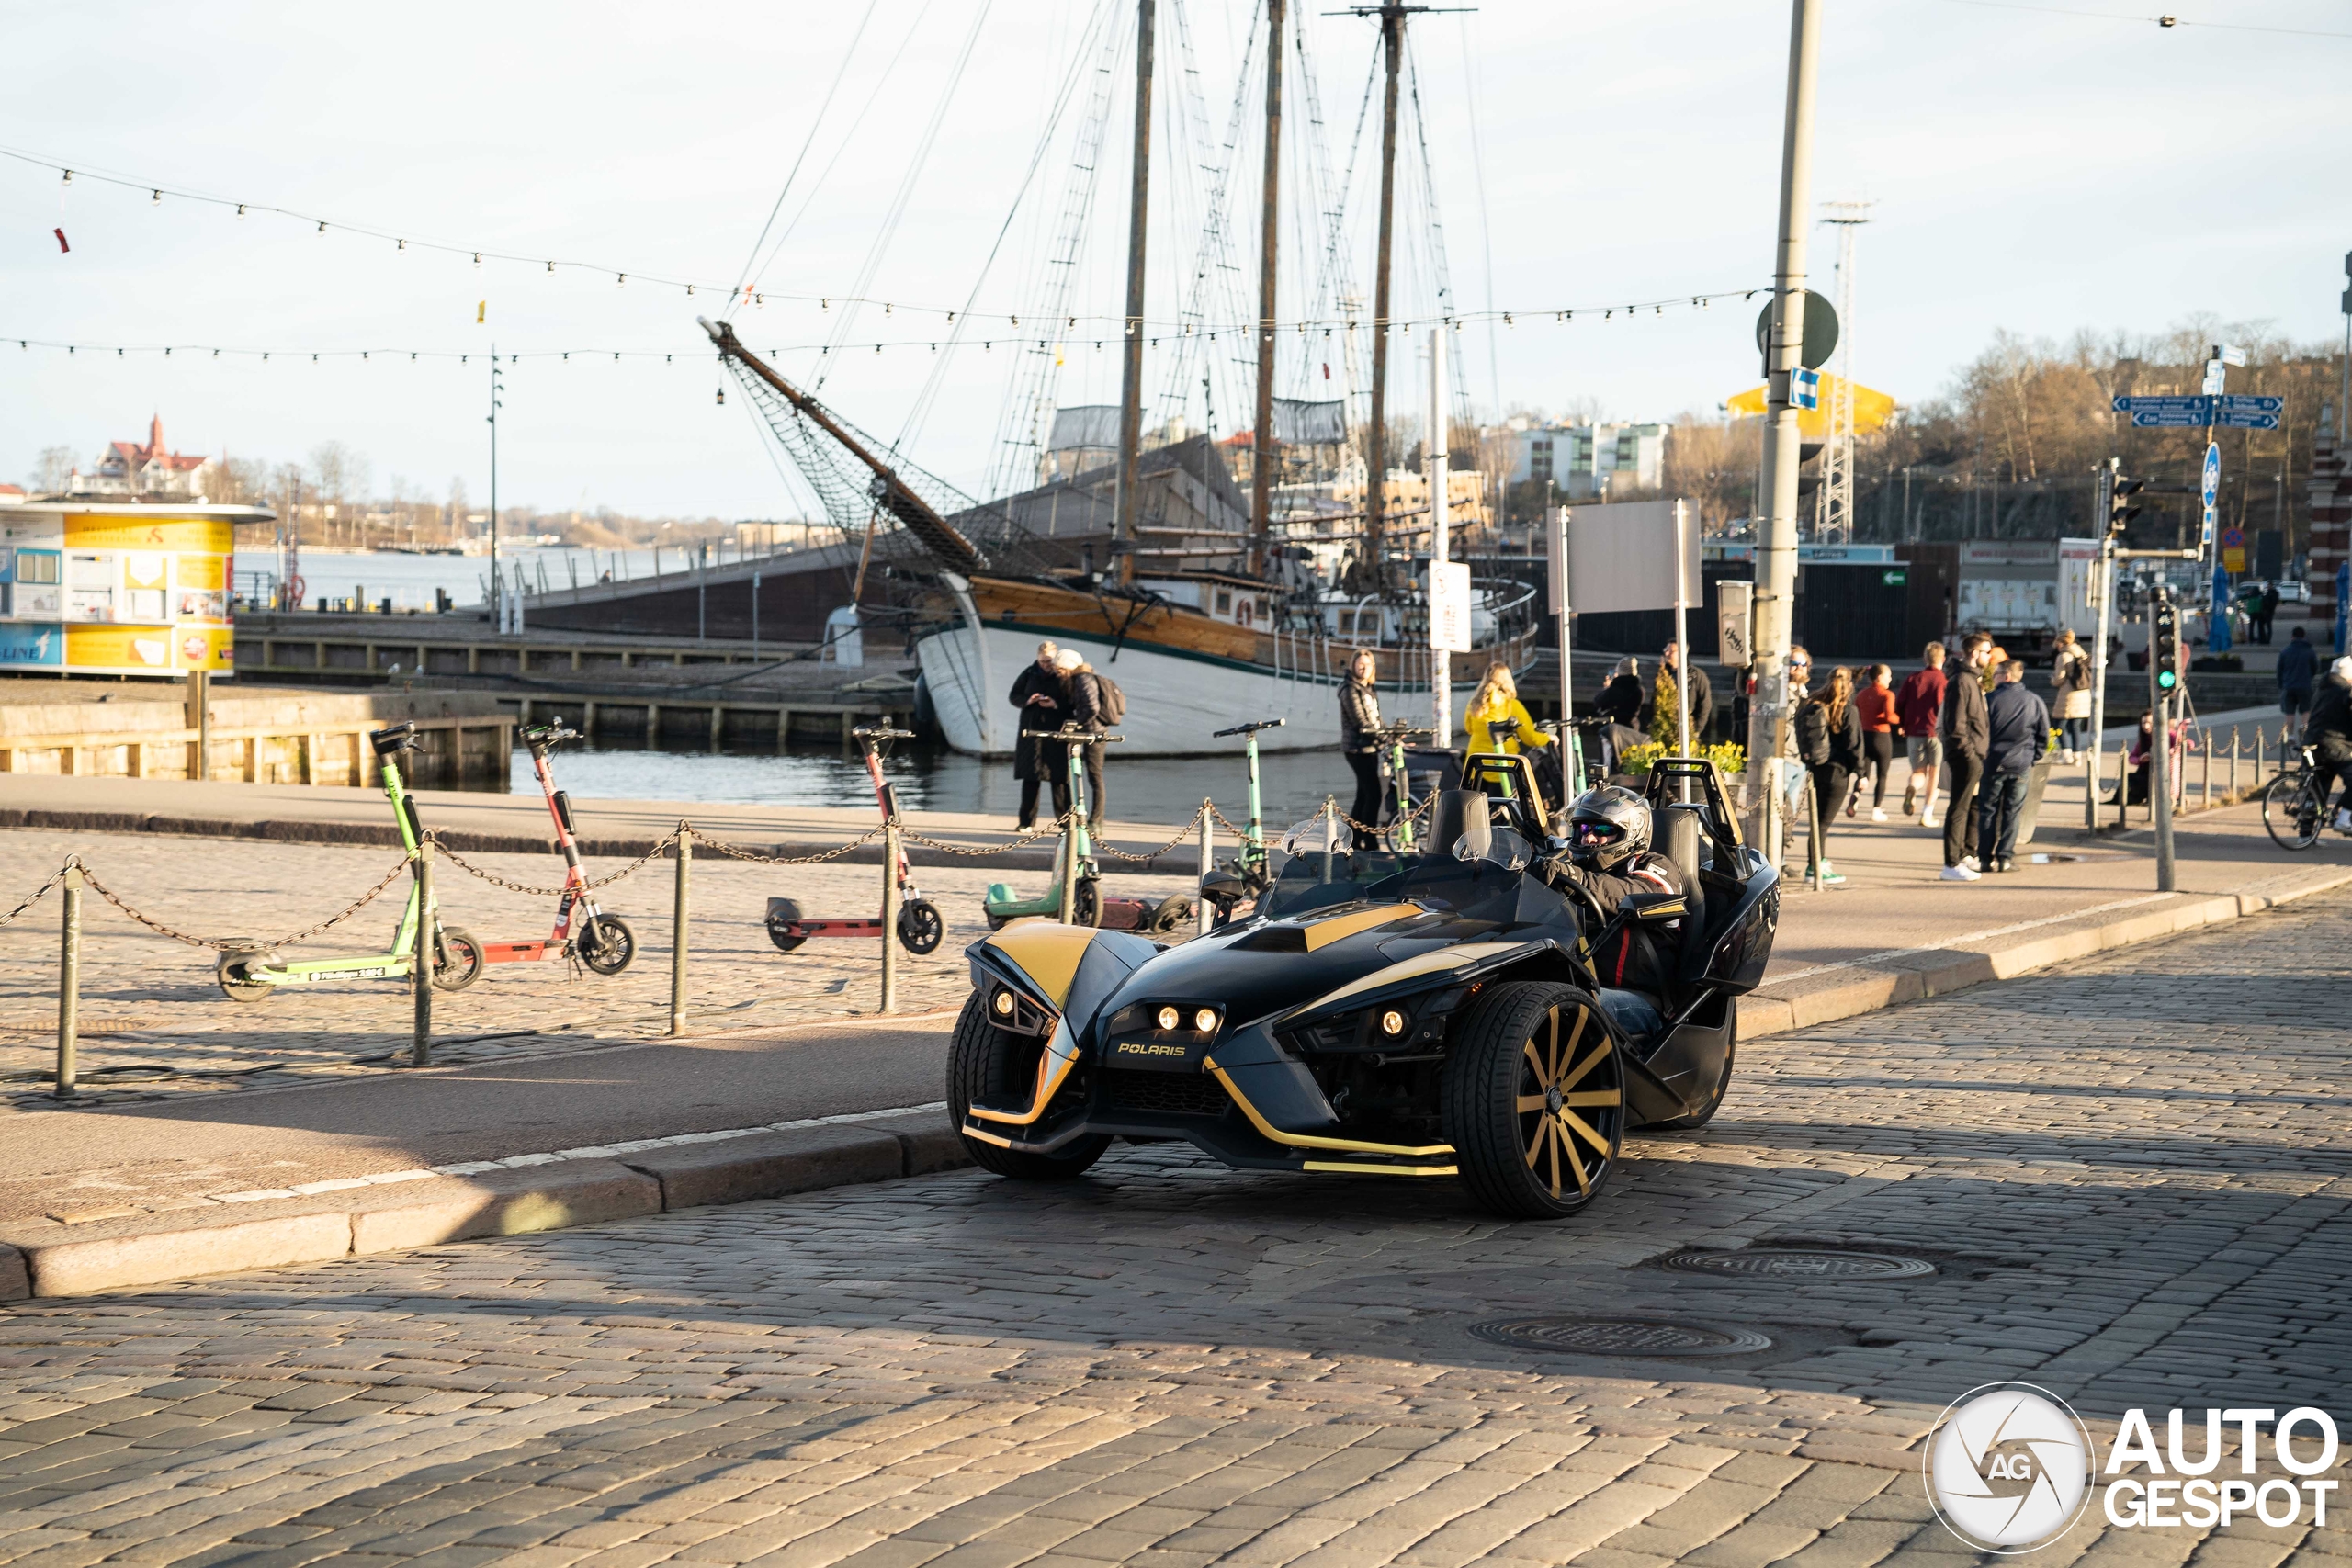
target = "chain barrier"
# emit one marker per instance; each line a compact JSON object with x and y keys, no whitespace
{"x":1415,"y":815}
{"x":735,"y":852}
{"x":631,"y":869}
{"x":239,"y":944}
{"x":1019,"y":840}
{"x":1182,"y":833}
{"x":43,"y":891}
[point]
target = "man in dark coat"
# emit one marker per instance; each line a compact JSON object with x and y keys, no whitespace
{"x":1037,"y":700}
{"x":2328,"y":732}
{"x":1965,"y":738}
{"x":2016,"y":733}
{"x":1702,"y":694}
{"x":2297,"y":667}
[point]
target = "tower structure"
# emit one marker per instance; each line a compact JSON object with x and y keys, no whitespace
{"x":1833,"y":509}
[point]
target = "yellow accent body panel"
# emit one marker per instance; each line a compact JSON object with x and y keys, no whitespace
{"x":1309,"y":1140}
{"x":1338,"y":928}
{"x":1435,"y":963}
{"x":1047,"y":953}
{"x":1358,"y":1167}
{"x":987,"y":1137}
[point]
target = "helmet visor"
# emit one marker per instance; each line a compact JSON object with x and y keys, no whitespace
{"x":1590,"y":834}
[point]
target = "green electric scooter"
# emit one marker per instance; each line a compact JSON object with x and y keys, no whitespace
{"x":249,"y":975}
{"x":1245,"y":877}
{"x":1401,"y":780}
{"x":1074,"y":858}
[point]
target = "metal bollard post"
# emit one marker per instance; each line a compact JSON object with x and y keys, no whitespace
{"x":678,"y":922}
{"x":420,"y":1051}
{"x":1812,"y":844}
{"x":2234,"y":762}
{"x":2205,"y":772}
{"x":2258,"y":749}
{"x":890,"y":914}
{"x":1069,"y":861}
{"x":69,"y":987}
{"x":1330,"y":835}
{"x":1201,"y":913}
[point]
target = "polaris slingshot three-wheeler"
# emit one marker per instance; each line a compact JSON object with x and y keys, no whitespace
{"x":1429,"y":1014}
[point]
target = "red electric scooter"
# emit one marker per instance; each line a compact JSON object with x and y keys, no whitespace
{"x":604,"y":942}
{"x":921,"y":928}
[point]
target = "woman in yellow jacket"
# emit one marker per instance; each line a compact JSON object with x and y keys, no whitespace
{"x":1496,"y":699}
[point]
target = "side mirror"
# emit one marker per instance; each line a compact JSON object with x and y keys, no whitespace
{"x":1655,"y":906}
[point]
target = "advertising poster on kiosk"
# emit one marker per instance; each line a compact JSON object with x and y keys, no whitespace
{"x":115,"y":589}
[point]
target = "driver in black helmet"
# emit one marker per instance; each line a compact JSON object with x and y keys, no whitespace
{"x":1609,"y":857}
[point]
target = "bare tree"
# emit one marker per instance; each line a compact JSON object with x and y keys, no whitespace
{"x":239,"y":481}
{"x":55,"y":472}
{"x":340,"y":474}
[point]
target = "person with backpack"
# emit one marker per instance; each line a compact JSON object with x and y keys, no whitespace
{"x":1828,"y":738}
{"x":1093,"y":702}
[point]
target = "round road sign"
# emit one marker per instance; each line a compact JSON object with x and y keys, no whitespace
{"x":1820,"y":331}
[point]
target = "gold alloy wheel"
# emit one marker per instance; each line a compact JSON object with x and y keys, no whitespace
{"x":1558,"y":1088}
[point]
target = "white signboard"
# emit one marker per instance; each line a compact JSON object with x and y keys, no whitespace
{"x":1622,"y":557}
{"x":1450,"y":606}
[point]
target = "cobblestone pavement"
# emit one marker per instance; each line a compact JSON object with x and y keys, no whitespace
{"x":154,"y":1023}
{"x":2131,"y":1181}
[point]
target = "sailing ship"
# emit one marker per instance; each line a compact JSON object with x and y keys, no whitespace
{"x":1208,"y":604}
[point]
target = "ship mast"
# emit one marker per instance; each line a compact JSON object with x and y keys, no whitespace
{"x":1123,"y":518}
{"x":1376,"y":495}
{"x":1262,"y":456}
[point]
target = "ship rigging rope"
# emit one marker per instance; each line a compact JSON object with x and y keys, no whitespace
{"x":841,"y":71}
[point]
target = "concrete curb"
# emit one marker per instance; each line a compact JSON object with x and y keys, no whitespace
{"x":385,"y":836}
{"x":53,"y":1260}
{"x":1868,"y":985}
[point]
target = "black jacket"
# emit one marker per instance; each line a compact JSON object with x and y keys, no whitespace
{"x":1359,"y":716}
{"x":2329,"y":727}
{"x":1820,"y":743}
{"x":1029,"y":760}
{"x":2016,"y":726}
{"x":1965,"y":726}
{"x":1640,"y":958}
{"x":2297,"y":665}
{"x":1621,"y":701}
{"x":1703,"y":702}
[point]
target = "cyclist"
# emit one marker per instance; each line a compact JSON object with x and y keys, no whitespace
{"x":2328,"y":732}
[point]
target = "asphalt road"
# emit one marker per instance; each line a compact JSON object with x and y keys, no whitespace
{"x":345,"y":1127}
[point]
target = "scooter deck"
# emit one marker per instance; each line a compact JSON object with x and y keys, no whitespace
{"x":519,"y":952}
{"x":863,"y":925}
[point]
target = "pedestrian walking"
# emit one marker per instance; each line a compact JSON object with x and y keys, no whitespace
{"x":1796,"y":778}
{"x":1965,"y":738}
{"x":1037,"y":700}
{"x":1358,"y":734}
{"x":2266,"y":612}
{"x":1703,"y":691}
{"x":2016,"y":733}
{"x":1920,"y":705}
{"x":2298,"y":666}
{"x":1874,"y":704}
{"x":2070,"y":694}
{"x":1829,"y":743}
{"x":1095,"y":703}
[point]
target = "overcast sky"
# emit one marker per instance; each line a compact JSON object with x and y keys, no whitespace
{"x":2033,"y":171}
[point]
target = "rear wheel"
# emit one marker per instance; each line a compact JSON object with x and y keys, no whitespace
{"x":920,"y":927}
{"x":607,"y":944}
{"x":985,"y":1062}
{"x":783,"y":909}
{"x":461,"y":960}
{"x":2292,"y":810}
{"x":230,"y":973}
{"x":1534,"y":1100}
{"x":1085,"y":906}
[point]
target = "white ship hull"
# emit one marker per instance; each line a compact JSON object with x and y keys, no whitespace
{"x":1174,"y":700}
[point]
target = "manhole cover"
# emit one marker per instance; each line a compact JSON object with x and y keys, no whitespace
{"x":1793,"y":1263}
{"x":1618,"y":1337}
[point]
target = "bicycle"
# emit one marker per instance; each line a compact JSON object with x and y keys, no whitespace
{"x":2294,"y":803}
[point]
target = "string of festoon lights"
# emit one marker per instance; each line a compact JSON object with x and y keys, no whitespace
{"x":1010,"y":334}
{"x":1059,"y":345}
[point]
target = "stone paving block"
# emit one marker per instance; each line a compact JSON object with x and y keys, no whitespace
{"x":768,"y":1165}
{"x":501,"y":1202}
{"x":68,"y":1266}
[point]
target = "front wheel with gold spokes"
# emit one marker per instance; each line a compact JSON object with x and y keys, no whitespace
{"x":1534,"y":1100}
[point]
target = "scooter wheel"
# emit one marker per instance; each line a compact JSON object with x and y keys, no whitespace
{"x":780,"y":910}
{"x":462,"y":963}
{"x":1086,"y":908}
{"x":1174,"y":913}
{"x":920,"y":927}
{"x":607,"y":944}
{"x":230,"y":973}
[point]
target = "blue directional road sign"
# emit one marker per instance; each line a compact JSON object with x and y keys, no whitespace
{"x":2241,"y":403}
{"x":2189,"y":412}
{"x":2232,"y":418}
{"x":2183,"y":403}
{"x":2210,"y":489}
{"x":2170,"y":419}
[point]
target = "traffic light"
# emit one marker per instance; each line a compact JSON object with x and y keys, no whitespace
{"x":1808,"y":477}
{"x":2163,"y":641}
{"x":2119,"y":510}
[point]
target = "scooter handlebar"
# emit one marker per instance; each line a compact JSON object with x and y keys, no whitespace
{"x":1249,"y":728}
{"x":548,"y":735}
{"x":401,"y":737}
{"x":881,"y":732}
{"x":1073,"y":737}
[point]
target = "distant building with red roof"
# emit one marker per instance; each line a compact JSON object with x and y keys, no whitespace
{"x":128,"y":467}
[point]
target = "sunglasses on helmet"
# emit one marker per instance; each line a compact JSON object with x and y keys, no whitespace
{"x":1593,"y":835}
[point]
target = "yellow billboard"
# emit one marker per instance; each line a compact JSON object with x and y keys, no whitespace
{"x":1872,"y":408}
{"x":110,"y":589}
